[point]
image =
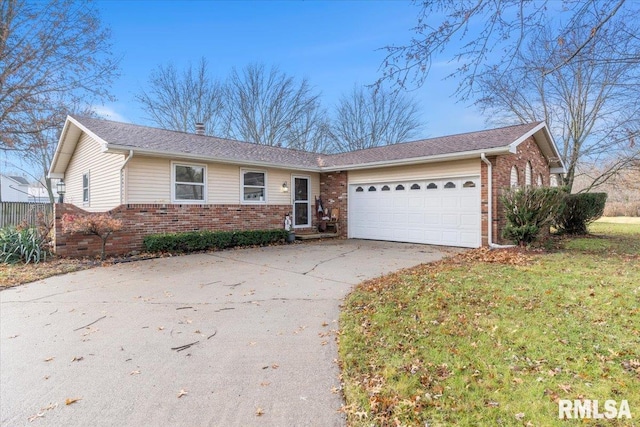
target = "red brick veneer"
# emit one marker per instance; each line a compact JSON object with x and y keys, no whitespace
{"x":141,"y":220}
{"x":334,"y":193}
{"x":526,"y":151}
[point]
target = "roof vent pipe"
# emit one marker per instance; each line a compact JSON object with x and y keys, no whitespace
{"x":199,"y":128}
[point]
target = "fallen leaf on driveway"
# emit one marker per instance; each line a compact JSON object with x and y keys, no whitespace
{"x":182,"y":392}
{"x":275,"y":366}
{"x":14,"y":336}
{"x":49,"y":359}
{"x":134,"y":373}
{"x":323,"y":343}
{"x":259,"y":412}
{"x":71,"y":401}
{"x":77,"y":359}
{"x":264,"y":383}
{"x":161,"y":328}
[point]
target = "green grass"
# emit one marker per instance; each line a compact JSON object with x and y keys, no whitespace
{"x":471,"y":342}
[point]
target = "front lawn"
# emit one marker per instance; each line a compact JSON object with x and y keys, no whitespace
{"x":497,"y":337}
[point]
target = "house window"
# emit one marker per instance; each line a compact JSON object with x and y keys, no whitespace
{"x":189,"y":183}
{"x":254,"y":186}
{"x":514,"y":177}
{"x":527,"y":174}
{"x":553,"y":180}
{"x":85,"y":188}
{"x":540,"y":180}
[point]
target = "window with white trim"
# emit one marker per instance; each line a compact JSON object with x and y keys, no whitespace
{"x":85,"y":188}
{"x":254,"y":186}
{"x":540,"y":180}
{"x":189,"y":182}
{"x":514,"y":176}
{"x":527,"y":174}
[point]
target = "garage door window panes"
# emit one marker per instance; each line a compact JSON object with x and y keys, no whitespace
{"x":372,"y":188}
{"x":399,"y":187}
{"x":385,"y":188}
{"x":449,"y":185}
{"x":469,"y":184}
{"x":432,"y":186}
{"x":415,"y":187}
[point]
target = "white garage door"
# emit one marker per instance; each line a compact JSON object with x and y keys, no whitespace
{"x":439,"y":212}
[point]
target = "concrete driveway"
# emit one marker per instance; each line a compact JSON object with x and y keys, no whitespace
{"x":240,"y":337}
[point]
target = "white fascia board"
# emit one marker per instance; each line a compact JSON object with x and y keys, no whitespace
{"x":56,"y":155}
{"x":558,"y":170}
{"x":417,"y":160}
{"x":541,"y":126}
{"x":110,"y":148}
{"x":523,"y":138}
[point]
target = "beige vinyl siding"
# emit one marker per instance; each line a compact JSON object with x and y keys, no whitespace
{"x":148,"y":180}
{"x":456,"y":168}
{"x":104,"y":176}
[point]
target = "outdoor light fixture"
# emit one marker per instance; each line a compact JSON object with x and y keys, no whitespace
{"x":61,"y":188}
{"x":285,"y":188}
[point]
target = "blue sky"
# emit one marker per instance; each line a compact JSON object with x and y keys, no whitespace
{"x":334,"y":44}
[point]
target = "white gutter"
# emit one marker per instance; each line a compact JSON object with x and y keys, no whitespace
{"x":122,"y":177}
{"x":490,"y":205}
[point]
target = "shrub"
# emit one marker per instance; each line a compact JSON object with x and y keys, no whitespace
{"x":22,"y":245}
{"x":101,"y":225}
{"x":528,"y":210}
{"x":578,"y":211}
{"x":194,"y":241}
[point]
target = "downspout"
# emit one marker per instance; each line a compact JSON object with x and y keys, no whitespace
{"x":490,"y":205}
{"x":122,"y":176}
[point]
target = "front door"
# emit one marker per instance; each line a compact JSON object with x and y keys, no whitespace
{"x":301,"y":202}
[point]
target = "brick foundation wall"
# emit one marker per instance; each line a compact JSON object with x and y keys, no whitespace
{"x":142,"y":220}
{"x":526,"y":151}
{"x":334,"y":193}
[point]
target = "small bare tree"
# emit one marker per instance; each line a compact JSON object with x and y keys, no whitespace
{"x":48,"y":50}
{"x":101,"y":225}
{"x":178,"y":100}
{"x":370,"y":117}
{"x":268,"y":107}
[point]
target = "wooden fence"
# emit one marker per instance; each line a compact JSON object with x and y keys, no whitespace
{"x":14,"y":213}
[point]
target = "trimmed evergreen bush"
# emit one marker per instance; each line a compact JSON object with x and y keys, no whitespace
{"x":578,"y":211}
{"x":528,"y":210}
{"x":194,"y":241}
{"x":22,"y":245}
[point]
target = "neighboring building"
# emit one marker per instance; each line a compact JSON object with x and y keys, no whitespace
{"x":429,"y":191}
{"x":14,"y":189}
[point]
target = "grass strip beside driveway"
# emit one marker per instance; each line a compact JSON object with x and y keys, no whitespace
{"x":497,"y":337}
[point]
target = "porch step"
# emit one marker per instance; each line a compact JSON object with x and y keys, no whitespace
{"x":310,"y":236}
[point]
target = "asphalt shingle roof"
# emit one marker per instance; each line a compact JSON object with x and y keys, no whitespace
{"x":161,"y":140}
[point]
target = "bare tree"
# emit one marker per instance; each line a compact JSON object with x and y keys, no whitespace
{"x":178,"y":100}
{"x":487,"y":34}
{"x":592,"y":107}
{"x":370,"y":117}
{"x":266,"y":106}
{"x":42,"y":145}
{"x":49,"y":50}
